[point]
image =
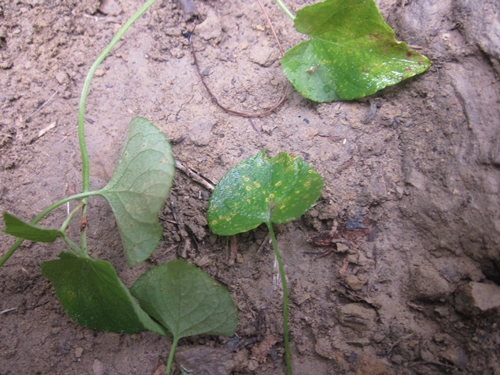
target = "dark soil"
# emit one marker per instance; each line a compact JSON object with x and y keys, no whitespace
{"x":414,"y":191}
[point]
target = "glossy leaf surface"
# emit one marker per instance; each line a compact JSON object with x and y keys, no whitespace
{"x":262,"y":190}
{"x":138,"y":188}
{"x":352,"y":52}
{"x":93,"y":295}
{"x":21,"y":229}
{"x":186,"y":300}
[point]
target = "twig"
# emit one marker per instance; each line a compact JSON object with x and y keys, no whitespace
{"x":233,"y":246}
{"x":391,"y":348}
{"x":42,"y":132}
{"x":8,"y":310}
{"x":214,"y":98}
{"x":44,"y":103}
{"x":430,"y":363}
{"x":272,"y":28}
{"x":346,"y":165}
{"x":216,"y":101}
{"x":196,"y":176}
{"x":264,"y":243}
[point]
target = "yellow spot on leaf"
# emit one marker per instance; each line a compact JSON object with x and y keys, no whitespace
{"x":248,"y":187}
{"x":214,"y":222}
{"x":257,"y":185}
{"x":278,"y":183}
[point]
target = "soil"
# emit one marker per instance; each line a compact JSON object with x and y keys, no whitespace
{"x":414,"y":191}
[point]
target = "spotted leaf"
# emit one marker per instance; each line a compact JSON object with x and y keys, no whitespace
{"x":352,"y":52}
{"x":263,"y":190}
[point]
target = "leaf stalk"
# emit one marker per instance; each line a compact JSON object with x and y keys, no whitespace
{"x":171,"y":355}
{"x":286,"y":338}
{"x":285,"y":9}
{"x":40,"y":216}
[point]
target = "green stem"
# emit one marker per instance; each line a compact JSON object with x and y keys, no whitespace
{"x":52,"y":207}
{"x":288,"y":361}
{"x":171,"y":355}
{"x":86,"y":88}
{"x":81,"y":138}
{"x":65,"y":225}
{"x":81,"y":113}
{"x":73,"y":246}
{"x":70,"y":216}
{"x":285,"y":9}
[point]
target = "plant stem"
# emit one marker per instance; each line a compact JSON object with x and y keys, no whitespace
{"x":86,"y":88}
{"x":285,"y":9}
{"x":81,"y":112}
{"x":52,"y":207}
{"x":73,"y":246}
{"x":288,"y":361}
{"x":171,"y":355}
{"x":71,"y":215}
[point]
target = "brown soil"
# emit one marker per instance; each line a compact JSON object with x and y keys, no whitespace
{"x":415,"y":191}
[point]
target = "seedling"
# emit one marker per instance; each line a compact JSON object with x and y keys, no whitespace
{"x":267,"y":191}
{"x":182,"y":299}
{"x":352,"y":52}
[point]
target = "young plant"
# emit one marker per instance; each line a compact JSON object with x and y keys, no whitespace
{"x":351,"y":53}
{"x":260,"y":190}
{"x":182,"y":298}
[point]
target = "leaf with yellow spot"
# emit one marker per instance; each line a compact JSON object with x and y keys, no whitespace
{"x":291,"y":187}
{"x":352,"y":52}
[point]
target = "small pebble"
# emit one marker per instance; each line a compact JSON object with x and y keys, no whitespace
{"x":100,"y":72}
{"x":78,"y":352}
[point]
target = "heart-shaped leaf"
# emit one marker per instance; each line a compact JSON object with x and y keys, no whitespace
{"x":352,"y":52}
{"x":21,"y":229}
{"x":262,"y":190}
{"x":138,"y":188}
{"x":93,"y":295}
{"x":186,"y":300}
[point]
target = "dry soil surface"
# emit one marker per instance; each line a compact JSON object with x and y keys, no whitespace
{"x":413,"y":191}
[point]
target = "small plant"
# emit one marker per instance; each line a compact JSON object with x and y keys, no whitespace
{"x":267,"y":191}
{"x":182,"y":299}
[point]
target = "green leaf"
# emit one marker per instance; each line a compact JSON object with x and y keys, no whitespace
{"x":93,"y":295}
{"x":352,"y":52}
{"x":262,"y":190}
{"x":138,"y":188}
{"x":17,"y":227}
{"x":186,"y":300}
